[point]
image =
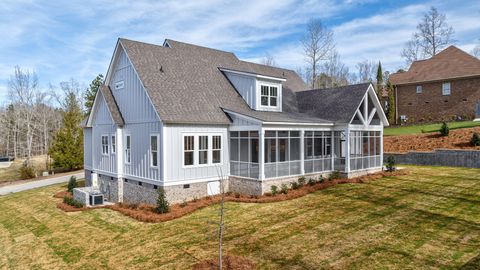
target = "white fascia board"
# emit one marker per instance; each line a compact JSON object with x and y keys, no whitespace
{"x":378,"y":105}
{"x":276,"y":123}
{"x":254,"y":75}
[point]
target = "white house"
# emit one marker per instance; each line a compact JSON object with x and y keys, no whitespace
{"x":173,"y":116}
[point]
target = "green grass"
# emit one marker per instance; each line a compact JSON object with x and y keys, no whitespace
{"x":12,"y":173}
{"x":418,"y":129}
{"x":429,"y":219}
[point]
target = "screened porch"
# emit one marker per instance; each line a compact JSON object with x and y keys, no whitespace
{"x":264,"y":154}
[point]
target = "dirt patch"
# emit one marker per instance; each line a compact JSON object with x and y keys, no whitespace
{"x":229,"y":262}
{"x":457,"y":139}
{"x":146,"y":213}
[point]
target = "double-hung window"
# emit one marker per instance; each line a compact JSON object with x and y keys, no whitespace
{"x":446,"y":89}
{"x":419,"y":89}
{"x":216,"y":149}
{"x":114,"y":144}
{"x":128,"y":143}
{"x":104,"y":144}
{"x":269,"y":95}
{"x":189,"y":150}
{"x":202,"y":150}
{"x":154,"y":150}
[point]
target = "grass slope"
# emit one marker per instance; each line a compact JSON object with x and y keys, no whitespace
{"x":429,"y":219}
{"x":12,"y":173}
{"x":418,"y":129}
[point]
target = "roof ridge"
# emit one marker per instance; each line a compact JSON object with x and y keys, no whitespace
{"x":334,"y":88}
{"x":199,"y":46}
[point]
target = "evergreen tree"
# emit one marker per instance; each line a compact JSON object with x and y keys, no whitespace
{"x":67,"y":148}
{"x":92,"y":91}
{"x":391,"y":103}
{"x":379,"y":78}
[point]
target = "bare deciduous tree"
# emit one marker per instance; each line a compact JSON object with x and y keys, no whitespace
{"x":317,"y":44}
{"x":476,"y":51}
{"x":433,"y":34}
{"x":366,"y":71}
{"x":335,"y":73}
{"x":268,"y":60}
{"x":23,"y":87}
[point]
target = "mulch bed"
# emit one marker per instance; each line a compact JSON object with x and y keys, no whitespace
{"x":69,"y":208}
{"x":457,"y":139}
{"x":145,"y":212}
{"x":229,"y":262}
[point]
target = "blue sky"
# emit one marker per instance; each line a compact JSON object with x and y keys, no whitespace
{"x":60,"y":40}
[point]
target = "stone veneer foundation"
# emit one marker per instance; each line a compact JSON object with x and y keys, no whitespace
{"x":141,"y":192}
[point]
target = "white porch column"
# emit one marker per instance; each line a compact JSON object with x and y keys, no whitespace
{"x":120,"y":163}
{"x":333,"y":150}
{"x":381,"y":148}
{"x":347,"y":150}
{"x":261,"y":158}
{"x":302,"y":152}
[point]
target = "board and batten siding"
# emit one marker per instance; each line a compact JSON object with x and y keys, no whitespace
{"x":174,"y":169}
{"x":102,"y":125}
{"x":242,"y":123}
{"x":245,"y":86}
{"x":140,"y":163}
{"x":87,"y":149}
{"x":132,"y":99}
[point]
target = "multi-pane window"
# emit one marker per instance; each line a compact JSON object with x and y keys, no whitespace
{"x":104,"y":144}
{"x":269,"y":95}
{"x":114,"y":144}
{"x":128,"y":143}
{"x":154,"y":150}
{"x":446,"y":89}
{"x":202,"y":149}
{"x":189,"y":150}
{"x":216,"y":149}
{"x":419,"y":89}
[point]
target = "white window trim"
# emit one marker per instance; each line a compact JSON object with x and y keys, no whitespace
{"x":259,"y":96}
{"x":269,"y":96}
{"x":449,"y":88}
{"x":129,"y":149}
{"x":196,"y":149}
{"x":114,"y":149}
{"x":417,"y":89}
{"x":150,"y":149}
{"x":108,"y":144}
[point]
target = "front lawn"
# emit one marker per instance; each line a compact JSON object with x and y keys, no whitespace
{"x":427,"y":219}
{"x":427,"y":128}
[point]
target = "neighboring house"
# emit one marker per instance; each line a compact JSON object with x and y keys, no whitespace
{"x":178,"y":116}
{"x":444,"y":87}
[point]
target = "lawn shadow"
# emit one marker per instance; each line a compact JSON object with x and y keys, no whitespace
{"x":473,"y":264}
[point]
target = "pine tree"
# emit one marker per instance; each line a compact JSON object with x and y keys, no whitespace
{"x":379,"y":78}
{"x":92,"y":91}
{"x":67,"y":148}
{"x":391,"y":103}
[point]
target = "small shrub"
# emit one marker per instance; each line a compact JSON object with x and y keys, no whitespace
{"x":311,"y":181}
{"x":268,"y":194}
{"x":274,"y":190}
{"x":27,"y":172}
{"x":72,"y":183}
{"x":183,"y":204}
{"x":70,"y":201}
{"x":237,"y":195}
{"x":444,"y":130}
{"x":321,"y":179}
{"x":334,"y":175}
{"x":195,"y":199}
{"x":162,"y":204}
{"x":475,"y":141}
{"x":302,"y":181}
{"x":390,"y":164}
{"x":284,"y":189}
{"x":295,"y":185}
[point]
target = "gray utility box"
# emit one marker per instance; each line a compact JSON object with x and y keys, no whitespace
{"x":96,"y":199}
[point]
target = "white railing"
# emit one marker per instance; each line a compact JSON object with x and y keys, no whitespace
{"x":365,"y":162}
{"x":244,"y":169}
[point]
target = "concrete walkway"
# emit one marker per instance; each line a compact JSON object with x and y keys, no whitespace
{"x":39,"y":183}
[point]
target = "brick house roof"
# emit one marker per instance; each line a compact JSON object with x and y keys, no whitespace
{"x":448,"y":64}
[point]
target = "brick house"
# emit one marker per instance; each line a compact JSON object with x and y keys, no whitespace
{"x":444,"y":87}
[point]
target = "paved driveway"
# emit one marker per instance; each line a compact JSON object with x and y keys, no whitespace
{"x":5,"y":164}
{"x":39,"y":183}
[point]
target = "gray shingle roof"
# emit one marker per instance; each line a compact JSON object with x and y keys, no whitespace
{"x":334,"y":104}
{"x":112,"y":105}
{"x":186,"y":85}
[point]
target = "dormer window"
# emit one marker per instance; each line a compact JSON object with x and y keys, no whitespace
{"x":269,"y":95}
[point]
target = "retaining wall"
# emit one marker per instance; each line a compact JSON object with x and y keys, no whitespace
{"x":440,"y":157}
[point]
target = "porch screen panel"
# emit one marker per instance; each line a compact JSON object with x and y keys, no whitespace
{"x":244,"y":154}
{"x":282,"y":153}
{"x":318,"y":147}
{"x":365,"y":150}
